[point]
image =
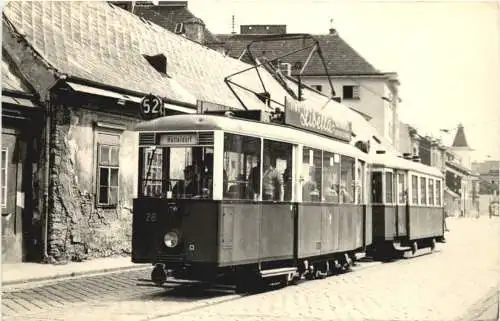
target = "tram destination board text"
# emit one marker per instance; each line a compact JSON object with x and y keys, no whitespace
{"x":300,"y":116}
{"x":179,"y":139}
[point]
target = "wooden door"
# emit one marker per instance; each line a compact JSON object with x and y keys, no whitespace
{"x":11,"y":198}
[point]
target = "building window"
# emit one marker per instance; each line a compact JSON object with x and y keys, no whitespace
{"x":108,"y":174}
{"x":107,"y":137}
{"x":318,"y":87}
{"x":4,"y":177}
{"x":350,"y":92}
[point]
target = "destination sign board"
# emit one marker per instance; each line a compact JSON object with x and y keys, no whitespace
{"x":298,"y":115}
{"x":179,"y":139}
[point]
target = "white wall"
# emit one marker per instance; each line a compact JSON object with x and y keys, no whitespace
{"x":370,"y":103}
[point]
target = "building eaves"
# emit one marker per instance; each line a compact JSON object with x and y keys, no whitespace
{"x":459,"y":168}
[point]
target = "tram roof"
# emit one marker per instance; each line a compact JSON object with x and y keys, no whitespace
{"x":393,"y":161}
{"x":198,"y":122}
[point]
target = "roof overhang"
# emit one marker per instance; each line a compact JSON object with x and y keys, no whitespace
{"x":125,"y":97}
{"x":19,"y":99}
{"x":457,"y":169}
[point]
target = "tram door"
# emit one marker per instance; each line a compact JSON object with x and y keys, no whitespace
{"x":12,"y":198}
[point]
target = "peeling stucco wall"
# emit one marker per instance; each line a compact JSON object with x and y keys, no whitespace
{"x":78,"y":229}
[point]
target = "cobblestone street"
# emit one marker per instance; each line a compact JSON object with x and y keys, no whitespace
{"x":457,"y":282}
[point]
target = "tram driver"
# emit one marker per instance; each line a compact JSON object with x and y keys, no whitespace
{"x":186,"y":187}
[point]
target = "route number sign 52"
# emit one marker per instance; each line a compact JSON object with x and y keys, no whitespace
{"x":151,"y":107}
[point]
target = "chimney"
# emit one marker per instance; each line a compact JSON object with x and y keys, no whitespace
{"x":332,"y":30}
{"x":194,"y":29}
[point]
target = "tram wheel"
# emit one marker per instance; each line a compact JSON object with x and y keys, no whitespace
{"x":433,"y":244}
{"x":414,"y":247}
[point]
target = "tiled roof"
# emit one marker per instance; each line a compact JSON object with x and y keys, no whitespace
{"x":103,"y":43}
{"x":10,"y":80}
{"x":169,"y":16}
{"x":341,"y":59}
{"x":460,"y":140}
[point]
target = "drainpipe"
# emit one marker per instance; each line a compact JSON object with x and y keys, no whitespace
{"x":46,"y":179}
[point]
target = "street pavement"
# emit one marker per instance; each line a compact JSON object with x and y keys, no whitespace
{"x":458,"y":282}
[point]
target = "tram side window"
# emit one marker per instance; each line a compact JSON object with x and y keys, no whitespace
{"x":401,"y":188}
{"x":414,"y":189}
{"x":347,"y":165}
{"x":331,"y":177}
{"x":431,"y":191}
{"x":360,"y":186}
{"x":376,"y":187}
{"x":276,"y":167}
{"x":153,"y":170}
{"x":423,"y":191}
{"x":311,"y":174}
{"x":191,"y":172}
{"x":389,"y":188}
{"x":438,"y":192}
{"x":241,"y":156}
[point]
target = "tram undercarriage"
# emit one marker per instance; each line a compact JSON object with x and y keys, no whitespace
{"x":251,"y":277}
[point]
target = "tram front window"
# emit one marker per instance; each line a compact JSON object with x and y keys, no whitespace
{"x":177,"y":172}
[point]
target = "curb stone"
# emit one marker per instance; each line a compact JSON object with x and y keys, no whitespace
{"x":64,"y":275}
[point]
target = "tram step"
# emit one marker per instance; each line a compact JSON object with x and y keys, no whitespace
{"x":276,"y":272}
{"x":399,"y":247}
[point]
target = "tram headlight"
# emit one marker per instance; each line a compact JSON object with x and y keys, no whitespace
{"x":171,"y":239}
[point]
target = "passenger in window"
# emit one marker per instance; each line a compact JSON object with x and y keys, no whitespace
{"x":237,"y":190}
{"x":331,"y":195}
{"x":187,"y":187}
{"x":310,"y":192}
{"x":344,"y":194}
{"x":272,"y":181}
{"x":254,"y":182}
{"x":287,"y":180}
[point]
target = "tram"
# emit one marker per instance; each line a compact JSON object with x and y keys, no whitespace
{"x":222,"y":196}
{"x":407,"y":206}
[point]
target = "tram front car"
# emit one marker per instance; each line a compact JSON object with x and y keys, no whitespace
{"x":175,"y":216}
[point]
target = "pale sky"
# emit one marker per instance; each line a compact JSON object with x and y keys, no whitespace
{"x":447,"y":54}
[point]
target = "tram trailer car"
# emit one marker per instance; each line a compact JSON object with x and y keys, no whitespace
{"x":306,"y":219}
{"x":407,"y":206}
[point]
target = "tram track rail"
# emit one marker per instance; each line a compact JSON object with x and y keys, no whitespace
{"x":361,"y":265}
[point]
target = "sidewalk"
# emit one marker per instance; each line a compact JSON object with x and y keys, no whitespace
{"x":19,"y":273}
